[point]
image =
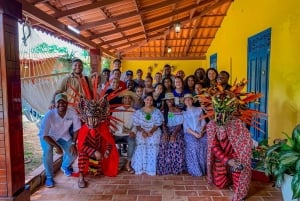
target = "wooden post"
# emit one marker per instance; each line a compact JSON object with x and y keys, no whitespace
{"x":12,"y":172}
{"x":95,"y":56}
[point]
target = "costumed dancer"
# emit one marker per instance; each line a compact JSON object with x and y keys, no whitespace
{"x":96,"y":146}
{"x":229,"y":141}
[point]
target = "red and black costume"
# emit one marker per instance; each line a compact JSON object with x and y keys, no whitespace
{"x":231,"y":141}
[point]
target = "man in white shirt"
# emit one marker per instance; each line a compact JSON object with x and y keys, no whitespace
{"x":125,"y":130}
{"x":55,"y":134}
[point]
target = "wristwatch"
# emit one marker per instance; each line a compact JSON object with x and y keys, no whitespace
{"x":73,"y":143}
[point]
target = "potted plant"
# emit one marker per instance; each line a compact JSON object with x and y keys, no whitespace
{"x":258,"y":160}
{"x":283,"y":162}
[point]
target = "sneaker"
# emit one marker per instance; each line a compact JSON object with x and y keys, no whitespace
{"x":49,"y":183}
{"x":67,"y":172}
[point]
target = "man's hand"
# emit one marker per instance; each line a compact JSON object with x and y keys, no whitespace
{"x":97,"y":155}
{"x":131,"y":134}
{"x":73,"y":150}
{"x":234,"y":163}
{"x":58,"y":150}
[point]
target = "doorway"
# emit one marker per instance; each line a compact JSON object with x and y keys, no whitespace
{"x":258,"y":77}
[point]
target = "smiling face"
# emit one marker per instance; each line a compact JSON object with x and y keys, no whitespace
{"x":114,"y":83}
{"x":61,"y":106}
{"x":148,"y":100}
{"x":77,"y":67}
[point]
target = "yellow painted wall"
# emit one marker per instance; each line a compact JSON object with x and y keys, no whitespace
{"x":249,"y":17}
{"x":189,"y":66}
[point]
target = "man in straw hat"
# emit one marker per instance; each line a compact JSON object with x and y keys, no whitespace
{"x":124,"y":130}
{"x":55,"y":134}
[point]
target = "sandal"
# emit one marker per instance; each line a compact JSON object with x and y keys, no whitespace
{"x":130,"y":170}
{"x":82,"y":183}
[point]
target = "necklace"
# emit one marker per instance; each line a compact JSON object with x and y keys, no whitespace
{"x":148,"y":116}
{"x":148,"y":113}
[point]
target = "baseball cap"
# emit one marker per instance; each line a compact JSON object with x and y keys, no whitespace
{"x":129,"y":72}
{"x":61,"y":96}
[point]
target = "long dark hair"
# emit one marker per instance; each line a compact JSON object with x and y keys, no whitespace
{"x":166,"y":111}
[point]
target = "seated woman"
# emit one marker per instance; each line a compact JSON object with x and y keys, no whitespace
{"x":148,"y":120}
{"x":124,"y":130}
{"x":195,"y":138}
{"x":171,"y":148}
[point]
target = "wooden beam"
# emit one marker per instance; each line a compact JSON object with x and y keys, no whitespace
{"x":111,"y":32}
{"x":183,"y":21}
{"x":118,"y":39}
{"x":93,"y":5}
{"x":38,"y":15}
{"x":188,"y":44}
{"x":179,"y":11}
{"x":127,"y":15}
{"x":200,"y":57}
{"x":141,"y":19}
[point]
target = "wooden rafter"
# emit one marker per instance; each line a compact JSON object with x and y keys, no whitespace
{"x":140,"y":16}
{"x":98,"y":4}
{"x":128,"y":15}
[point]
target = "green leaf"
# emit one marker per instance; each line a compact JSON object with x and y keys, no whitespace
{"x":296,"y":186}
{"x":289,"y":158}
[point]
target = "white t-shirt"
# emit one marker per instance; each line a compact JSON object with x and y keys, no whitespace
{"x":58,"y":128}
{"x":123,"y":128}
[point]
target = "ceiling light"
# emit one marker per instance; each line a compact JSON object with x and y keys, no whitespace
{"x":169,"y":49}
{"x":73,"y":29}
{"x":177,"y":27}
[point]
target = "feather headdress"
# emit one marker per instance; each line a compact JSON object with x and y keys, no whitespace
{"x":93,"y":107}
{"x":222,"y":105}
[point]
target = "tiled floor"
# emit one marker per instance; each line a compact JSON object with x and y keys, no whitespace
{"x":126,"y":187}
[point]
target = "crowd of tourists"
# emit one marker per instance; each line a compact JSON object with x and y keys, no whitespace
{"x":160,"y":127}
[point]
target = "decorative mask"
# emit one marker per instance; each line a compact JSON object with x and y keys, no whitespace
{"x":224,"y":104}
{"x":92,"y":112}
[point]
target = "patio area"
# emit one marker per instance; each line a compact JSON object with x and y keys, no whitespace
{"x":127,"y":187}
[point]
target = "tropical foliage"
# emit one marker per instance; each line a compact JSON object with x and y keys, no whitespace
{"x":284,"y":158}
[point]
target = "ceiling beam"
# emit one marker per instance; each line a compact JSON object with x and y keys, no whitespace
{"x":77,"y":10}
{"x":191,"y":38}
{"x":201,"y":57}
{"x":114,"y":31}
{"x":141,"y":19}
{"x":36,"y":14}
{"x":150,"y":21}
{"x":182,"y":21}
{"x":119,"y":39}
{"x":179,"y":11}
{"x":128,"y":15}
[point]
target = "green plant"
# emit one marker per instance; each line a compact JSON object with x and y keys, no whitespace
{"x":284,"y":158}
{"x":258,"y":155}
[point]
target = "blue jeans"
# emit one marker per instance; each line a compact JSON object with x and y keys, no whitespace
{"x":127,"y":140}
{"x":68,"y":158}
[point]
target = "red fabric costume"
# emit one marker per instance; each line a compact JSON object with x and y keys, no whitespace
{"x":231,"y":140}
{"x":90,"y":140}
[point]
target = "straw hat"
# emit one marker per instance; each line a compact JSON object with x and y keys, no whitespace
{"x":188,"y":95}
{"x":129,"y":93}
{"x":168,"y":96}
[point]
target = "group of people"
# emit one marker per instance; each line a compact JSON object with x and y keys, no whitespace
{"x":161,"y":124}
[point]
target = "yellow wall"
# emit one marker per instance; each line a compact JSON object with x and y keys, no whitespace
{"x":189,"y":66}
{"x":249,"y":17}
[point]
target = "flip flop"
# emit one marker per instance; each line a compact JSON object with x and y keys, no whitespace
{"x":82,"y":183}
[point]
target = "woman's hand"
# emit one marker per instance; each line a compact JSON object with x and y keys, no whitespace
{"x":165,"y":137}
{"x":144,"y":134}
